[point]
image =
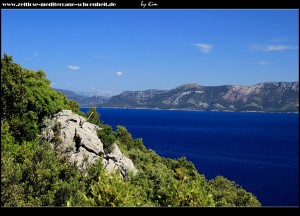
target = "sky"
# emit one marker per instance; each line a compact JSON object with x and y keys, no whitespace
{"x":110,"y":51}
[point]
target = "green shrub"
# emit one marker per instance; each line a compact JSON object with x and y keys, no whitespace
{"x":93,"y":116}
{"x":228,"y":193}
{"x":107,"y":137}
{"x":26,"y":98}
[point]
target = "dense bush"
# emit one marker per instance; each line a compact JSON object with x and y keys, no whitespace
{"x":228,"y":193}
{"x":26,"y":98}
{"x":34,"y":175}
{"x":105,"y":189}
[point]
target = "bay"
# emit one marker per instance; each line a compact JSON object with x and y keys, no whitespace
{"x":259,"y":151}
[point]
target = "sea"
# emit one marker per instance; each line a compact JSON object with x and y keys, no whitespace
{"x":258,"y":151}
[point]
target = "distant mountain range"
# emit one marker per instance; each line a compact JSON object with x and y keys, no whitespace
{"x":84,"y":100}
{"x":267,"y":97}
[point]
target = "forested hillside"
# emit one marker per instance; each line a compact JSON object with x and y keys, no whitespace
{"x":35,"y":172}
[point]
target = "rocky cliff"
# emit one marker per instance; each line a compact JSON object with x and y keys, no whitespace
{"x":79,"y":141}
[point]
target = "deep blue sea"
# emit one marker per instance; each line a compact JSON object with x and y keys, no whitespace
{"x":259,"y":151}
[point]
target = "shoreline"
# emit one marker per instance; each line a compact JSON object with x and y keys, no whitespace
{"x":141,"y":108}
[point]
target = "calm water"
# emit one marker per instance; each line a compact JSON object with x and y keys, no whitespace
{"x":259,"y":151}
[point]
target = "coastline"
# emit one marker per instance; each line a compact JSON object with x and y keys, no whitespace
{"x":191,"y":110}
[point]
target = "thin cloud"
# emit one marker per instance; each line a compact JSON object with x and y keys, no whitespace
{"x":119,"y":74}
{"x":73,"y":67}
{"x":271,"y":48}
{"x":204,"y":48}
{"x":31,"y":57}
{"x":52,"y":84}
{"x":263,"y":63}
{"x":279,"y":47}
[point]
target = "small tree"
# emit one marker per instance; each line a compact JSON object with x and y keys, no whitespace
{"x":107,"y":137}
{"x":74,"y":105}
{"x":93,"y":116}
{"x":124,"y":137}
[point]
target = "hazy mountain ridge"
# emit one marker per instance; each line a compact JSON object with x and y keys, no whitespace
{"x":267,"y":96}
{"x":84,"y":101}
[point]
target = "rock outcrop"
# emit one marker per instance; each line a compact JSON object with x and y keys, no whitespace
{"x":116,"y":160}
{"x":79,"y":141}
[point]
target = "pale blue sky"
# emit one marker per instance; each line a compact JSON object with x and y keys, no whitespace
{"x":116,"y":50}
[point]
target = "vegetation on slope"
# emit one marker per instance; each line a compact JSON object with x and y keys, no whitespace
{"x":34,"y":174}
